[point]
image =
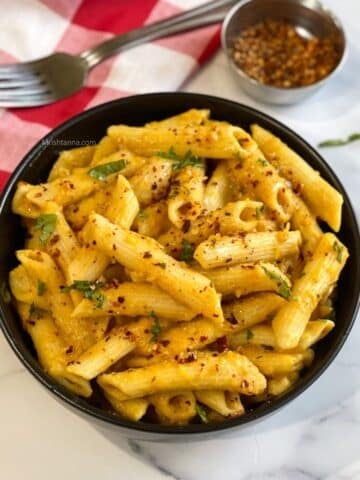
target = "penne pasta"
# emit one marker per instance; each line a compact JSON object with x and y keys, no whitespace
{"x":227,"y":371}
{"x":175,"y":408}
{"x":217,"y":192}
{"x":69,"y":160}
{"x":319,"y":274}
{"x":219,"y":251}
{"x":134,"y":299}
{"x":227,"y":404}
{"x":147,"y":256}
{"x":324,"y":201}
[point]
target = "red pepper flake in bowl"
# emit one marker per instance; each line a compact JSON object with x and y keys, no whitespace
{"x":274,"y":53}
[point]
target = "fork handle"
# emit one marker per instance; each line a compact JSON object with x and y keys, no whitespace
{"x":201,"y":16}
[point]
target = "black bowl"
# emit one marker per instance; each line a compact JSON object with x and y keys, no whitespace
{"x":91,"y":125}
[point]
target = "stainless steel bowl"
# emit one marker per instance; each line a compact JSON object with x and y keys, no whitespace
{"x":308,"y":15}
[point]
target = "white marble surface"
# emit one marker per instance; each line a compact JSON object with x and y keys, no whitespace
{"x":315,"y":437}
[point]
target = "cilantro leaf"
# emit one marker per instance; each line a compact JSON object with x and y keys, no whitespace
{"x":180,"y":162}
{"x":262,"y":161}
{"x":41,"y":288}
{"x":202,"y":413}
{"x":4,"y":292}
{"x":142,"y":214}
{"x":46,"y":223}
{"x":339,"y":142}
{"x":101,"y":172}
{"x":187,"y":251}
{"x":339,"y":251}
{"x":249,"y":334}
{"x":284,"y":289}
{"x":155,"y":327}
{"x":90,"y":290}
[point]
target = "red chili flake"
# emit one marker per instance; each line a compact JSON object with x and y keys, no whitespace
{"x":186,"y":226}
{"x":121,"y":299}
{"x":147,"y":255}
{"x":69,"y":350}
{"x":31,"y":322}
{"x":203,"y":338}
{"x":164,"y":343}
{"x":189,"y":358}
{"x":154,"y":186}
{"x":222,"y":344}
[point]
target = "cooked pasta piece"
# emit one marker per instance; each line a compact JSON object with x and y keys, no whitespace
{"x":132,"y":410}
{"x":186,"y":195}
{"x":248,"y":278}
{"x":227,"y":404}
{"x":217,"y":193}
{"x":134,"y":299}
{"x":147,"y":256}
{"x":274,"y":364}
{"x":319,"y":274}
{"x":279,"y":385}
{"x":227,"y":371}
{"x":103,"y":149}
{"x":53,"y":351}
{"x":193,"y":116}
{"x":323,"y":199}
{"x":151,"y":181}
{"x":70,"y":159}
{"x":153,"y":220}
{"x":213,"y":140}
{"x":219,"y":251}
{"x":175,"y":408}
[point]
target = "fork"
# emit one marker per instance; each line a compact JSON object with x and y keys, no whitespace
{"x":59,"y":75}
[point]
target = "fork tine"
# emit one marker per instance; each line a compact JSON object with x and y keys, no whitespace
{"x":26,"y":100}
{"x":22,"y":81}
{"x":22,"y":91}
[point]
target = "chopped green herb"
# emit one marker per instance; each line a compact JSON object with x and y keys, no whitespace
{"x":101,"y":172}
{"x":187,"y":251}
{"x":249,"y":334}
{"x":161,"y":265}
{"x":142,"y":214}
{"x":259,"y":211}
{"x":181,"y":162}
{"x":4,"y":292}
{"x":339,"y":250}
{"x":339,"y":142}
{"x":90,"y":290}
{"x":41,"y":288}
{"x":46,"y":223}
{"x":284,"y":289}
{"x":34,"y":310}
{"x":262,"y":162}
{"x":202,"y":413}
{"x":155,"y":327}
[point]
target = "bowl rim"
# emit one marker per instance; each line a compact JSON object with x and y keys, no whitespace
{"x":193,"y":430}
{"x":270,"y":88}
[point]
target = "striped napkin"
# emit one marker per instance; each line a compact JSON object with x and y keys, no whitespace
{"x":33,"y":28}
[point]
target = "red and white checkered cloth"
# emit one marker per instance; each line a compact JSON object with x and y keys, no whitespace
{"x":34,"y":28}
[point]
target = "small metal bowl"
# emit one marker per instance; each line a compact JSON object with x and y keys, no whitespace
{"x":311,"y":18}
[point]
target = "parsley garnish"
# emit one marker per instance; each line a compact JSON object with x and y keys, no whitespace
{"x":181,"y":162}
{"x":41,"y":288}
{"x":142,"y":214}
{"x":100,"y":172}
{"x":4,"y":292}
{"x":187,"y":251}
{"x":90,"y":290}
{"x":284,"y":289}
{"x":339,"y":142}
{"x":155,"y":327}
{"x":161,"y":265}
{"x":338,"y":249}
{"x":262,"y":162}
{"x":33,"y":310}
{"x":46,"y":223}
{"x":259,"y":211}
{"x":202,"y":413}
{"x":249,"y":334}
